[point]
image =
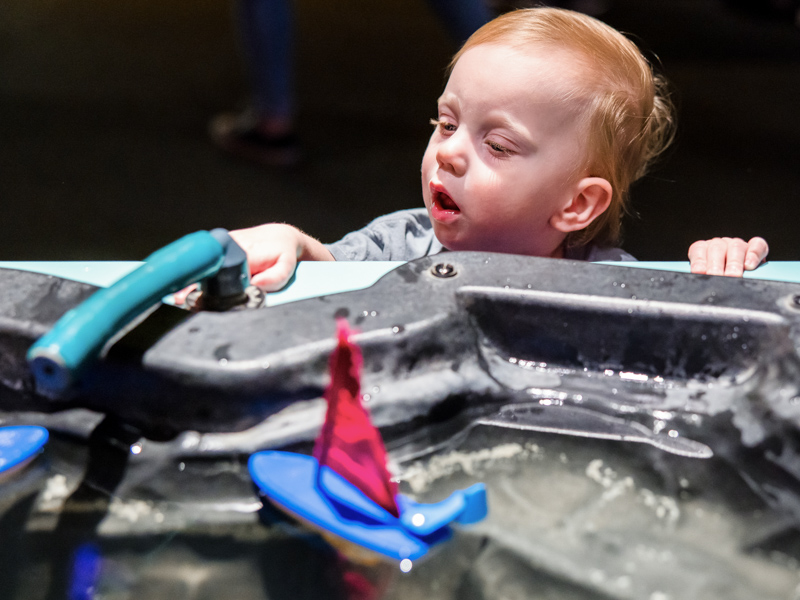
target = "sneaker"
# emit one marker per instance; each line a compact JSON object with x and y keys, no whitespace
{"x":236,"y":134}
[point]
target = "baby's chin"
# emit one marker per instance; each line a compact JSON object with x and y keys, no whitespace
{"x":452,"y":240}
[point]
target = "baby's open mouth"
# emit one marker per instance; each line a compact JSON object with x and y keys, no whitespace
{"x":444,"y":201}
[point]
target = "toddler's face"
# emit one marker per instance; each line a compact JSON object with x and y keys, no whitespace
{"x":506,"y":151}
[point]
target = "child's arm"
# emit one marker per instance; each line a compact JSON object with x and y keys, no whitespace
{"x":727,"y":256}
{"x":273,"y":251}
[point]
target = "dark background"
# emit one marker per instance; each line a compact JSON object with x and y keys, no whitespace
{"x":104,"y":108}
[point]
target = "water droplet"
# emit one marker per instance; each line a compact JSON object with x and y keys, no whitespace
{"x":366,"y":397}
{"x":191,"y":440}
{"x":405,"y":564}
{"x":364,"y":313}
{"x":673,"y":434}
{"x":614,"y":283}
{"x":181,"y":466}
{"x":375,"y":389}
{"x":223,"y":361}
{"x":398,"y":329}
{"x":265,"y":364}
{"x":136,"y":448}
{"x":374,"y":313}
{"x":418,"y":520}
{"x":622,"y":285}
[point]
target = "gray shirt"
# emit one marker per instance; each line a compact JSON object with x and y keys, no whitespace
{"x":408,"y":234}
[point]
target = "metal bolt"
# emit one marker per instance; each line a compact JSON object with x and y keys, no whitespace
{"x":443,"y":270}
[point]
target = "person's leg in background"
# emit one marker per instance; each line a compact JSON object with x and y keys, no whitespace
{"x":265,"y":132}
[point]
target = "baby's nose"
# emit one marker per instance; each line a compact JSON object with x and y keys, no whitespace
{"x":451,"y":154}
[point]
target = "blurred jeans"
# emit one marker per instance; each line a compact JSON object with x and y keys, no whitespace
{"x":267,"y":37}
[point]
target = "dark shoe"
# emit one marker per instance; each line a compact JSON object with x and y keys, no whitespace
{"x":237,"y":135}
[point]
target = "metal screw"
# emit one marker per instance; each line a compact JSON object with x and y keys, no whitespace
{"x":443,"y":270}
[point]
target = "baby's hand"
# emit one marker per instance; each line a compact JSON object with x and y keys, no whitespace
{"x":727,"y":256}
{"x":272,"y":253}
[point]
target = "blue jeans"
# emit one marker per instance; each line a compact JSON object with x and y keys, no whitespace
{"x":267,"y":37}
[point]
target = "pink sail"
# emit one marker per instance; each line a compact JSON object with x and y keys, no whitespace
{"x":349,"y":443}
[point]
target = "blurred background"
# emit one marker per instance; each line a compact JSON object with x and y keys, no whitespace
{"x":104,"y":108}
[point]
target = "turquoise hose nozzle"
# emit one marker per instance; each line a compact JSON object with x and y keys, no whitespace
{"x":57,"y":358}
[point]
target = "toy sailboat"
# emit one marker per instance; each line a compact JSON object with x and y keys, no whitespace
{"x":345,"y":490}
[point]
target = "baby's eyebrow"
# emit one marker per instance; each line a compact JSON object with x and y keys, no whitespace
{"x":514,"y":127}
{"x":447,"y":99}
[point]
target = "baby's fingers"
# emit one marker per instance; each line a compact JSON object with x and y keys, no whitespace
{"x":757,"y":250}
{"x":717,"y":256}
{"x":277,"y":276}
{"x":697,"y":257}
{"x":734,"y":263}
{"x":180,"y":296}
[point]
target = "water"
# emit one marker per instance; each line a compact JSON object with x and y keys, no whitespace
{"x":570,"y":518}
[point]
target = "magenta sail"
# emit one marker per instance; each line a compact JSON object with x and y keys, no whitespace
{"x":349,"y":443}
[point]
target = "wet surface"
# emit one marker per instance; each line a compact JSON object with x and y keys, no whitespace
{"x":570,"y":518}
{"x":611,"y":471}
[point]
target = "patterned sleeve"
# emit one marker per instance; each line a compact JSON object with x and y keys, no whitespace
{"x":594,"y":253}
{"x":402,"y":235}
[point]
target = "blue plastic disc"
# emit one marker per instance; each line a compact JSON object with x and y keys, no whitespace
{"x":20,"y":443}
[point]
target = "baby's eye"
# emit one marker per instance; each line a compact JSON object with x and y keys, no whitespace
{"x":444,"y":125}
{"x":498,"y":149}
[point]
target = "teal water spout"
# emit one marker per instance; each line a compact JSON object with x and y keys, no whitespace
{"x":60,"y":355}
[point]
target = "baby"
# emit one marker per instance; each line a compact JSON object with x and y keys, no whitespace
{"x":547,"y":118}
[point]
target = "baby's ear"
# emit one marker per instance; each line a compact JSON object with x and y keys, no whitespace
{"x":591,"y":199}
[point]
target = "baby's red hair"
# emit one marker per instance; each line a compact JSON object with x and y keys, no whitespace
{"x":628,"y":117}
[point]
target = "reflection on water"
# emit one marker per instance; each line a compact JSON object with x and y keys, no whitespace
{"x":570,"y":518}
{"x":575,"y":518}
